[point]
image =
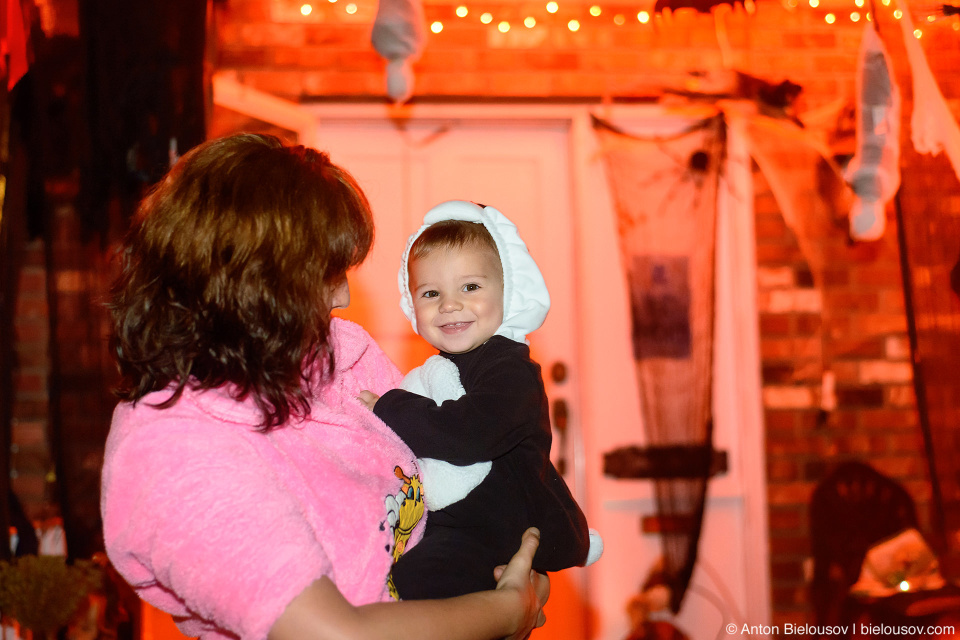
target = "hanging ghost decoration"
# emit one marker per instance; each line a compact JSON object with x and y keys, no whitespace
{"x":398,"y":35}
{"x":874,"y":171}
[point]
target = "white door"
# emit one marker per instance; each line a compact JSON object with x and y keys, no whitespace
{"x":522,"y":170}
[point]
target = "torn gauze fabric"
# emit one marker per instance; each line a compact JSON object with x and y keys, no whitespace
{"x":932,"y":125}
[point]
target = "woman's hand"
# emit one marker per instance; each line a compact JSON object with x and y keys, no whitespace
{"x":533,"y":587}
{"x":320,"y":612}
{"x":368,"y":398}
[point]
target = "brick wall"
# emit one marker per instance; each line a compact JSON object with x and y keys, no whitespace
{"x":856,"y":322}
{"x":30,"y":460}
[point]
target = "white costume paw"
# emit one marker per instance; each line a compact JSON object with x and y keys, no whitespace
{"x":596,"y":547}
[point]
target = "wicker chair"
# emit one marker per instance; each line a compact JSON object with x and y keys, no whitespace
{"x":851,"y":510}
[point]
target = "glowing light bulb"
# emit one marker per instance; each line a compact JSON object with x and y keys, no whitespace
{"x":643,"y":17}
{"x":331,"y":1}
{"x":595,"y":10}
{"x":814,"y":3}
{"x":305,"y":9}
{"x":869,"y":17}
{"x":931,"y":18}
{"x":504,"y":26}
{"x":486,"y":18}
{"x":619,"y":20}
{"x":904,"y":586}
{"x":573,"y":25}
{"x":859,"y":3}
{"x":830,"y":18}
{"x":436,"y":27}
{"x":885,"y":3}
{"x":898,"y":14}
{"x":462,"y":11}
{"x":855,"y":16}
{"x":351,"y":8}
{"x":529,"y":22}
{"x":917,"y":33}
{"x":552,"y":7}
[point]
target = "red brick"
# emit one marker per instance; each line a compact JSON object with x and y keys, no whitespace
{"x":774,"y":324}
{"x":789,"y":546}
{"x":789,"y":493}
{"x":787,"y":571}
{"x":782,"y":471}
{"x":786,"y":518}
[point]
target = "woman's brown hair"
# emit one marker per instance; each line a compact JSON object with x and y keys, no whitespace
{"x":228,"y":270}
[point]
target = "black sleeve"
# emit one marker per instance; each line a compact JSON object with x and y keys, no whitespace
{"x":496,"y":414}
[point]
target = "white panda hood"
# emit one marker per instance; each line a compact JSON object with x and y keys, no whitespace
{"x":526,"y":300}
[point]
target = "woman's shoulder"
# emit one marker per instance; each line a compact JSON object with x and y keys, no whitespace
{"x":210,"y":417}
{"x":357,"y":353}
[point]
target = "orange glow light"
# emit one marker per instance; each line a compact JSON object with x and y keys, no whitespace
{"x":462,"y":11}
{"x":552,"y":7}
{"x":573,"y":25}
{"x":643,"y":17}
{"x":305,"y":10}
{"x":619,"y":19}
{"x":486,"y":18}
{"x":855,"y":16}
{"x":529,"y":22}
{"x":595,"y":10}
{"x":436,"y":27}
{"x":830,"y":18}
{"x":504,"y":26}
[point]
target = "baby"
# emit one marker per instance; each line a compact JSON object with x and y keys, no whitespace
{"x":477,"y":415}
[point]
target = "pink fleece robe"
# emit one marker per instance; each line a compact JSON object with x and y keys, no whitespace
{"x":222,"y":526}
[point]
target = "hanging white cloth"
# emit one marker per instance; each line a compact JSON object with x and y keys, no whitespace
{"x":933,"y":127}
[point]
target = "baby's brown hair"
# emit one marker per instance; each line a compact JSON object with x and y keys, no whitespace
{"x":454,"y":234}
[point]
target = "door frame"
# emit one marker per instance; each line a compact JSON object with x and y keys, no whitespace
{"x":736,"y":276}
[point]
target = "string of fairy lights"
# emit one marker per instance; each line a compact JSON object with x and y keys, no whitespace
{"x":858,"y":13}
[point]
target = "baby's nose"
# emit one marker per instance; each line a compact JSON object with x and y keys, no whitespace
{"x":450,"y":303}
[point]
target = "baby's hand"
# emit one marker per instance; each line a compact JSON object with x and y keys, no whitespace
{"x":368,"y":398}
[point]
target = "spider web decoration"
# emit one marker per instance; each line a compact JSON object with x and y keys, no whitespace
{"x":665,"y":196}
